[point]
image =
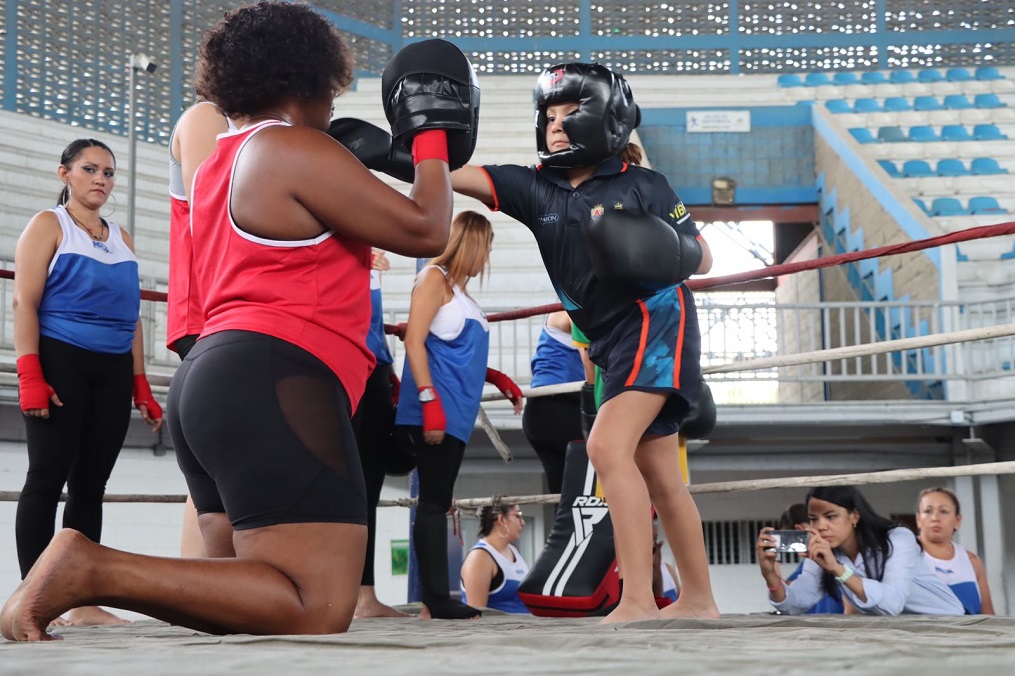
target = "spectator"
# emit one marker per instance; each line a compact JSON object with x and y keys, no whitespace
{"x":447,"y":344}
{"x":795,"y":518}
{"x":494,"y":567}
{"x":876,"y":563}
{"x":937,"y":518}
{"x":77,"y":333}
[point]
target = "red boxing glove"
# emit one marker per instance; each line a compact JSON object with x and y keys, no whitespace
{"x":503,"y":383}
{"x":396,"y":387}
{"x":433,"y":412}
{"x":143,"y":395}
{"x":431,"y":144}
{"x":33,"y":390}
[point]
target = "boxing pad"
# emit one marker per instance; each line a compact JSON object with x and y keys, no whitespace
{"x":638,"y":248}
{"x":431,"y":85}
{"x":576,"y":573}
{"x":700,"y":419}
{"x":374,"y":147}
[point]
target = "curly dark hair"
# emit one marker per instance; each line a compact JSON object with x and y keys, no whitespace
{"x":260,"y":55}
{"x":488,"y":516}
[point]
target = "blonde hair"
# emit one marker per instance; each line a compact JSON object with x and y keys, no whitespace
{"x":471,"y":238}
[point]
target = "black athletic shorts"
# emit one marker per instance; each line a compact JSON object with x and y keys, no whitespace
{"x":262,"y":432}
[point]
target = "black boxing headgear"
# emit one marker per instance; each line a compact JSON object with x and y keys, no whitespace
{"x":601,"y":126}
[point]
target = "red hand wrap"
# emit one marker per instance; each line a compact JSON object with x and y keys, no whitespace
{"x":433,"y":414}
{"x":396,"y":387}
{"x":143,"y":395}
{"x":431,"y":144}
{"x":503,"y":383}
{"x":33,"y":390}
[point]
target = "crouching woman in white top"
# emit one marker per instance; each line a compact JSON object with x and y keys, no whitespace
{"x":876,"y":563}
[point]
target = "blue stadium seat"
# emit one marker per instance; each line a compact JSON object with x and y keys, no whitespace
{"x":891,"y":135}
{"x":901,"y":77}
{"x":844,"y":79}
{"x":958,"y":75}
{"x":988,"y":101}
{"x":867,"y":106}
{"x":951,"y":167}
{"x":947,"y":206}
{"x":988,"y":73}
{"x":790,"y":80}
{"x":873,"y":77}
{"x":890,"y":168}
{"x":922,"y":133}
{"x":930,"y":75}
{"x":957,"y":102}
{"x":923,"y":206}
{"x":862,"y":135}
{"x":986,"y":166}
{"x":914,"y":168}
{"x":896,"y":104}
{"x":838,"y":106}
{"x":927,"y":103}
{"x":985,"y":205}
{"x":816,"y":80}
{"x":988,"y":132}
{"x":955,"y":132}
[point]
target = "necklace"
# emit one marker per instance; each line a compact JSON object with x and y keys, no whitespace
{"x":102,"y":225}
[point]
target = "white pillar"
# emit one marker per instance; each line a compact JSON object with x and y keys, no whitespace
{"x":992,"y":549}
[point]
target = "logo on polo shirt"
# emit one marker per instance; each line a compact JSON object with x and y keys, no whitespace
{"x":546,"y":219}
{"x":598,"y":210}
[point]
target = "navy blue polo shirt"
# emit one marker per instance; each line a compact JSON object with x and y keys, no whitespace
{"x":543,"y":199}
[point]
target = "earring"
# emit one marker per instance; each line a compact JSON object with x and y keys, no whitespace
{"x":113,"y":195}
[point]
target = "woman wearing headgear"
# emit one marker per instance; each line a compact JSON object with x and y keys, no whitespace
{"x":617,"y":242}
{"x":551,"y":422}
{"x":260,"y":409}
{"x":874,"y":562}
{"x":494,"y":567}
{"x":937,"y":518}
{"x":447,"y":343}
{"x":77,"y":334}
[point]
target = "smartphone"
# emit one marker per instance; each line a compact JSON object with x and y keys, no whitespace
{"x":794,"y":541}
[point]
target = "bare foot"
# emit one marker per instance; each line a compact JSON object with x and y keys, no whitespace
{"x":631,"y":611}
{"x":86,"y":616}
{"x":376,"y":609}
{"x":705,"y":610}
{"x":49,"y":590}
{"x":424,"y":613}
{"x":60,"y":622}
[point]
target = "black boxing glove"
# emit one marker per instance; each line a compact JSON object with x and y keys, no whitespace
{"x":374,"y":147}
{"x":587,"y":405}
{"x":641,"y":249}
{"x":700,"y":419}
{"x":431,"y":85}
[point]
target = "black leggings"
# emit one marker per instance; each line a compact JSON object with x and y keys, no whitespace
{"x":373,"y":424}
{"x":77,"y":445}
{"x":550,"y":423}
{"x":438,"y":467}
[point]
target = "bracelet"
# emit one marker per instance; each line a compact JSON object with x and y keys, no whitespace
{"x":847,"y":573}
{"x":775,"y":589}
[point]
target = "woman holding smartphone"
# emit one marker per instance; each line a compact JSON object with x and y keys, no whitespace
{"x":874,"y":562}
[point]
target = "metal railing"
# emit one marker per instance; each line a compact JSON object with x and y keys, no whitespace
{"x":737,"y":327}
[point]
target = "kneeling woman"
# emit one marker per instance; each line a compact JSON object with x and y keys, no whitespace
{"x":875,"y":562}
{"x":494,"y":567}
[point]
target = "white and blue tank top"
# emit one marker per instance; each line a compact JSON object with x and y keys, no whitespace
{"x":457,"y":349}
{"x":505,"y":596}
{"x":556,"y":359}
{"x":959,"y":575}
{"x":92,"y":297}
{"x":376,"y":340}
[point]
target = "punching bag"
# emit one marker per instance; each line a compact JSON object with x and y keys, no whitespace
{"x":576,"y":573}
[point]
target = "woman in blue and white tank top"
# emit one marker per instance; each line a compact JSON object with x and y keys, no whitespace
{"x":77,"y":301}
{"x":447,"y":341}
{"x":938,"y":517}
{"x":494,"y":567}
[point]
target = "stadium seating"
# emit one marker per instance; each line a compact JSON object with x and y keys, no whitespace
{"x":985,"y":205}
{"x":985,"y":166}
